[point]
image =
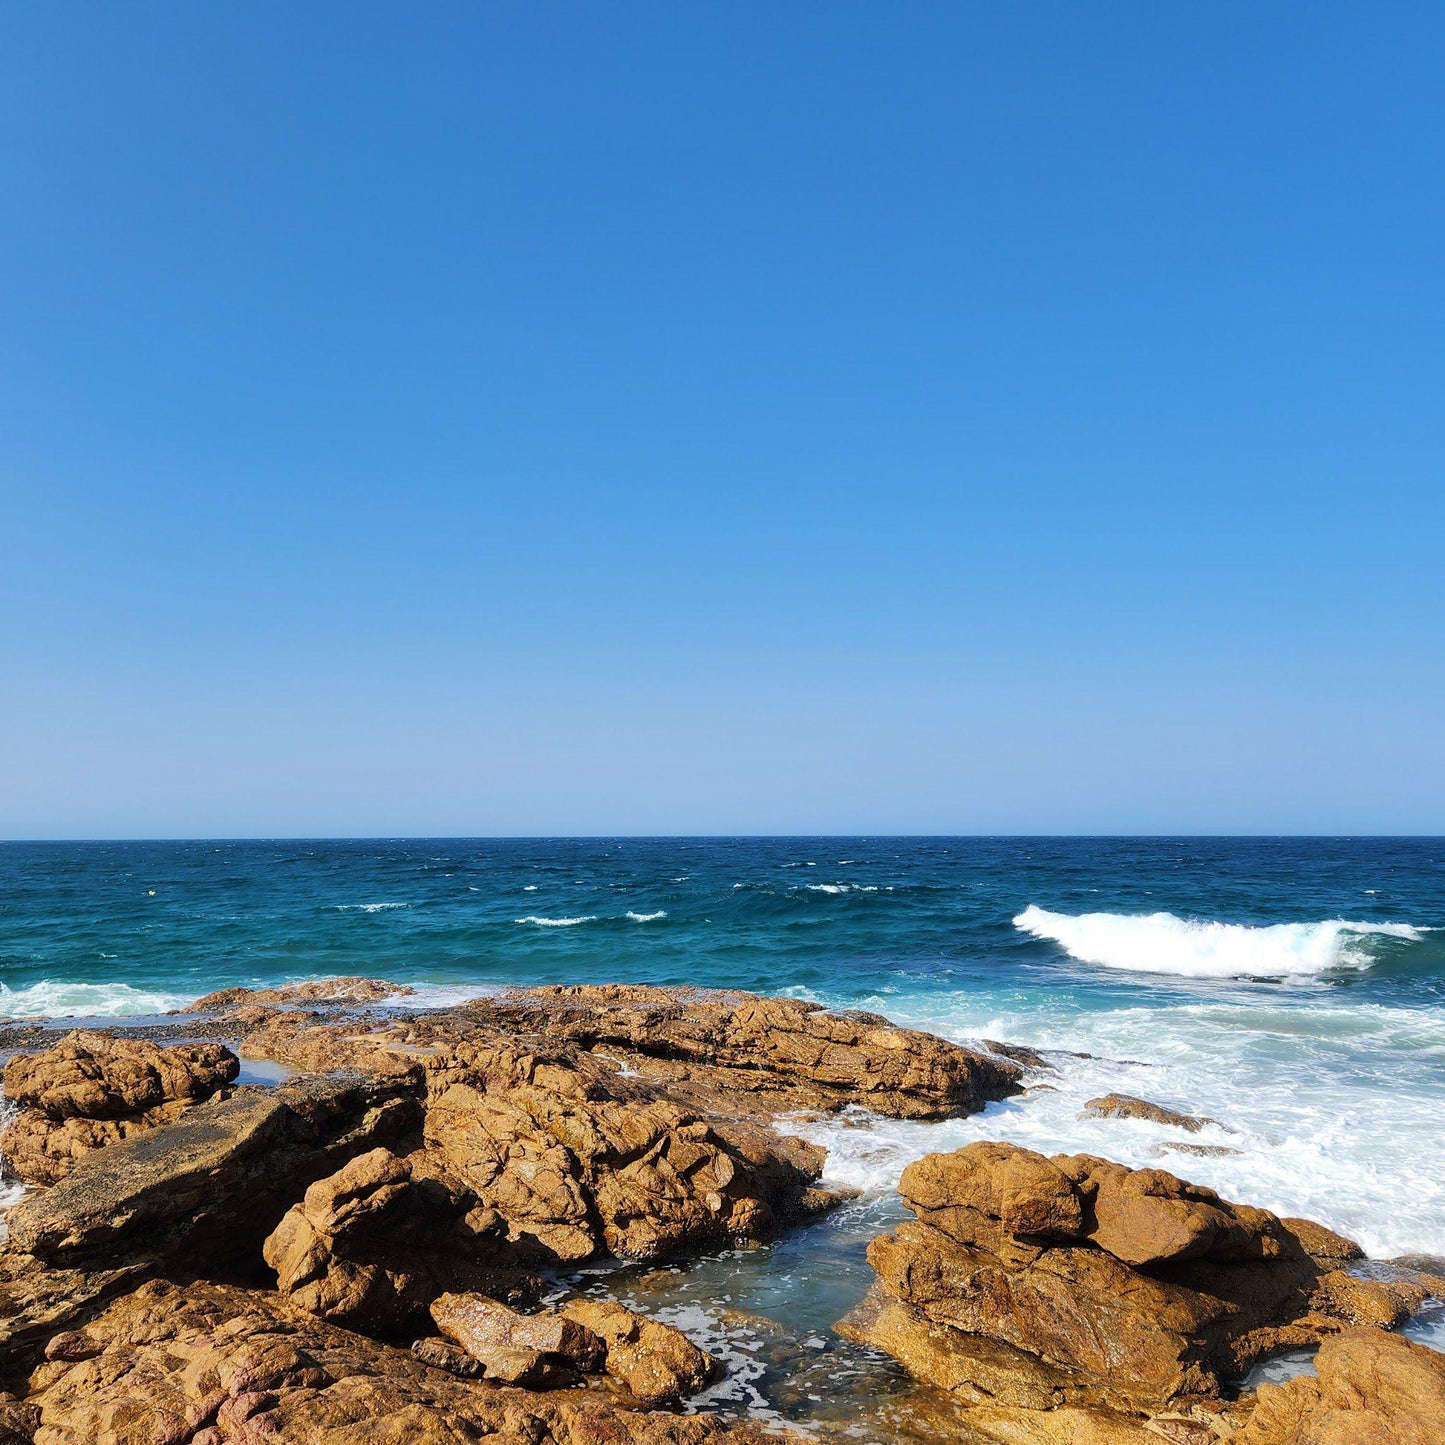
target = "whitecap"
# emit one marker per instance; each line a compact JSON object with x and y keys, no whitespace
{"x":369,"y":907}
{"x":53,"y":999}
{"x":557,"y":922}
{"x":1190,"y":948}
{"x":646,"y":917}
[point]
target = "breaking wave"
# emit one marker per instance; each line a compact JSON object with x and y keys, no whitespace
{"x":50,"y":999}
{"x":1162,"y":943}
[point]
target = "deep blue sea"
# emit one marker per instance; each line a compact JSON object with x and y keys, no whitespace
{"x":1291,"y":989}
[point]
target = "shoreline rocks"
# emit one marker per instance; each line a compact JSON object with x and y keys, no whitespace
{"x":1027,"y":1286}
{"x":91,"y":1090}
{"x":1128,"y":1106}
{"x":354,"y":1253}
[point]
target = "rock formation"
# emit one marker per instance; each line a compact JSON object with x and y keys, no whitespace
{"x":1371,"y":1388}
{"x":205,"y":1190}
{"x":785,"y":1053}
{"x":91,"y":1090}
{"x":372,"y":1246}
{"x":1030,"y":1285}
{"x":216,"y":1365}
{"x":1127,"y":1106}
{"x":656,"y":1363}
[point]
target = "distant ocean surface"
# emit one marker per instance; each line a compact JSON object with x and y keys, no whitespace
{"x":1291,"y":989}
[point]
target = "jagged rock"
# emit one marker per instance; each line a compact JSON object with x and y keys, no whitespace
{"x":92,"y":1090}
{"x":216,"y":1365}
{"x":18,"y":1421}
{"x":1371,"y":1388}
{"x":444,"y":1355}
{"x":539,"y":1351}
{"x":38,"y":1301}
{"x":208,"y":1188}
{"x":1033,"y":1284}
{"x":318,"y":990}
{"x":373,"y":1244}
{"x":1126,"y":1106}
{"x":656,"y":1362}
{"x":785,"y":1054}
{"x":576,"y":1160}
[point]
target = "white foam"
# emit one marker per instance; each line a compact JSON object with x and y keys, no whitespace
{"x":369,"y":907}
{"x":51,"y":999}
{"x":557,"y":922}
{"x":1333,"y":1109}
{"x":442,"y":995}
{"x":647,"y":917}
{"x":1162,"y":943}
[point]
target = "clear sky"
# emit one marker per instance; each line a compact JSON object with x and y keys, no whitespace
{"x":748,"y":417}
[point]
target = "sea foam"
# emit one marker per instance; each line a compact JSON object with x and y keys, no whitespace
{"x":52,"y":999}
{"x":557,"y":922}
{"x":1162,"y":943}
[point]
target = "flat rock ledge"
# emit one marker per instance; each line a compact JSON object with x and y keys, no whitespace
{"x":1073,"y":1299}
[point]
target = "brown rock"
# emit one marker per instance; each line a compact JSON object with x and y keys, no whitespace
{"x":576,"y":1160}
{"x":17,"y":1421}
{"x":215,"y":1365}
{"x":1371,"y":1388}
{"x":785,"y":1053}
{"x":38,"y":1302}
{"x":373,"y":1244}
{"x":444,"y":1355}
{"x":207,"y":1189}
{"x":656,"y":1362}
{"x":1029,"y":1284}
{"x":539,"y":1351}
{"x":92,"y":1090}
{"x":1126,"y":1106}
{"x":347,"y":990}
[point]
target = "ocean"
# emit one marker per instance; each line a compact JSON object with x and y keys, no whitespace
{"x":1292,"y":990}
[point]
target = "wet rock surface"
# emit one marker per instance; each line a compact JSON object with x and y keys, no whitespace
{"x":1127,"y":1106}
{"x":91,"y":1090}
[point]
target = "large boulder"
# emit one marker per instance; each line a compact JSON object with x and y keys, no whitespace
{"x":204,"y":1191}
{"x":92,"y":1089}
{"x":216,"y":1365}
{"x":1370,"y":1388}
{"x":372,"y":1245}
{"x":1036,"y":1284}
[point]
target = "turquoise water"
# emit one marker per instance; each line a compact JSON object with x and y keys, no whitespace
{"x":1293,"y":990}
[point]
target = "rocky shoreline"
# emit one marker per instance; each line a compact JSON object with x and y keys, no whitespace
{"x":384,"y":1241}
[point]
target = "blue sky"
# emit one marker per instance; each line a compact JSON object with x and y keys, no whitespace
{"x":744,"y":418}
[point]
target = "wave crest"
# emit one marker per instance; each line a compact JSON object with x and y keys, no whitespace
{"x":1190,"y":948}
{"x":557,"y":922}
{"x":52,"y":998}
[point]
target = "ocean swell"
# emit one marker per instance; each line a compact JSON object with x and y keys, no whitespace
{"x":1192,"y":948}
